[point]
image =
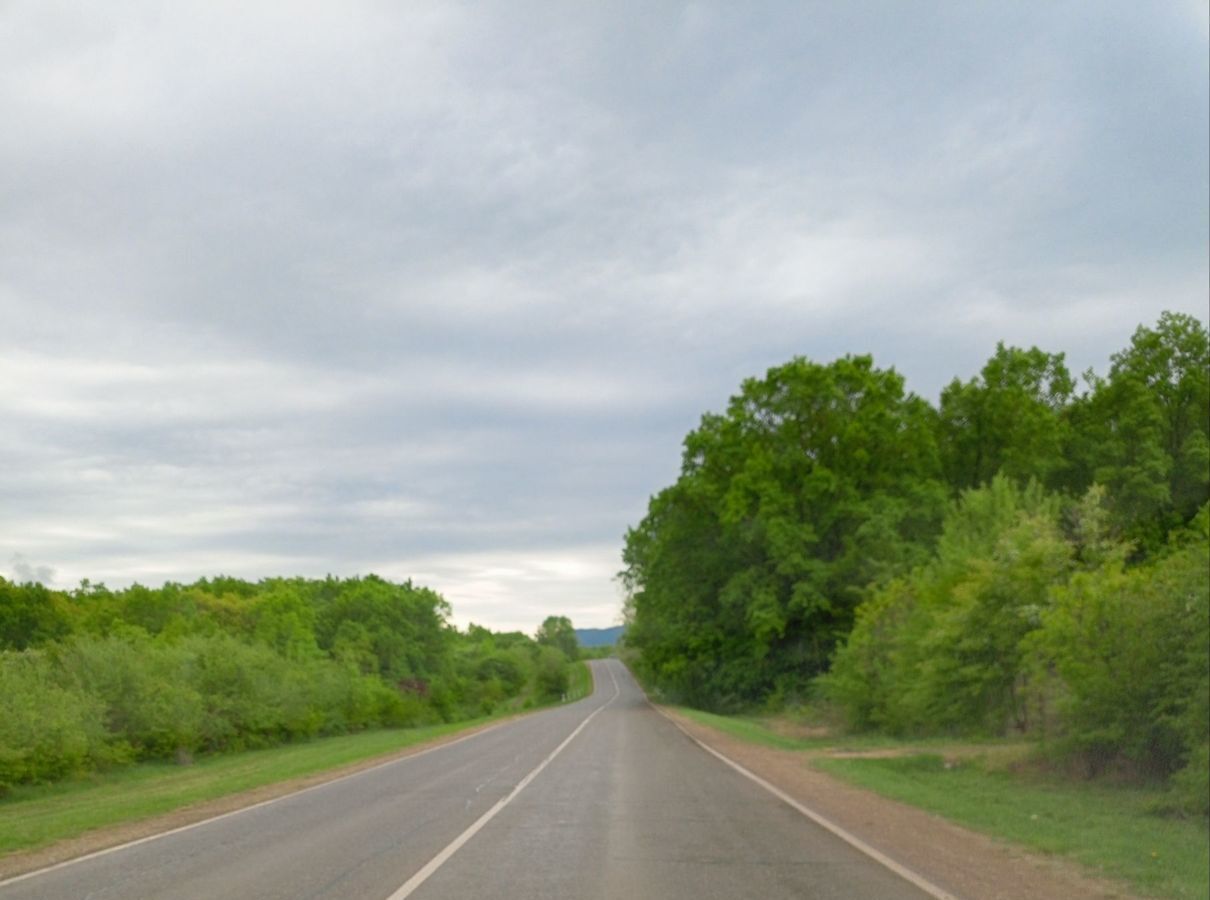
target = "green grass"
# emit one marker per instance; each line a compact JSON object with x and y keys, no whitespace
{"x":580,"y":681}
{"x":763,"y":730}
{"x":745,"y":729}
{"x":1108,"y":828}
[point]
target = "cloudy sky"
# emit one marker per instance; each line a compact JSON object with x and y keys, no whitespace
{"x":436,"y":290}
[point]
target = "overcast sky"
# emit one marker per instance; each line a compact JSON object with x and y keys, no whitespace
{"x":436,"y":290}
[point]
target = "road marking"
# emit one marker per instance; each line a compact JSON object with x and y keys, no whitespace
{"x":848,"y":837}
{"x":429,"y":868}
{"x":243,"y":809}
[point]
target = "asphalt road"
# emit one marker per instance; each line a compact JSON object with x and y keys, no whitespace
{"x":603,"y":798}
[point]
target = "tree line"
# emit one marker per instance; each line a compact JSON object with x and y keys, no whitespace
{"x":1029,"y":554}
{"x":92,"y":678}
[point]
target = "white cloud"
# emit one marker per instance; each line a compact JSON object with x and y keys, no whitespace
{"x":517,"y":590}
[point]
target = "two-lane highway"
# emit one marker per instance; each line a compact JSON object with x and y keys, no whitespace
{"x":603,"y":798}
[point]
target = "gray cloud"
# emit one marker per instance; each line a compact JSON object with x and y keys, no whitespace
{"x":23,"y":571}
{"x":437,"y":290}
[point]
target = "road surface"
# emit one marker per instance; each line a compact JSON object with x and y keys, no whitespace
{"x":604,"y":798}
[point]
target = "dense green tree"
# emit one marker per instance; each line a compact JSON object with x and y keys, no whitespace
{"x":940,"y":648}
{"x":1144,"y":430}
{"x":283,"y":617}
{"x":818,"y":480}
{"x":1009,"y":420}
{"x":558,"y":632}
{"x":30,"y":614}
{"x":677,"y":561}
{"x":402,"y":626}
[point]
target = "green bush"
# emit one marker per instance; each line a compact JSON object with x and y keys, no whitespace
{"x":1123,"y":659}
{"x":866,"y":680}
{"x":939,"y":650}
{"x":143,"y":686}
{"x":551,"y":676}
{"x":1190,"y":793}
{"x":47,"y":731}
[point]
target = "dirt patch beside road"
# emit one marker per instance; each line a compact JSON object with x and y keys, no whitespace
{"x":962,"y":862}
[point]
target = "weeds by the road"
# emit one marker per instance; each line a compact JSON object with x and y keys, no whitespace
{"x":1113,"y":829}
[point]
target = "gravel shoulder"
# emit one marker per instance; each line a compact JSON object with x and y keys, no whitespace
{"x":963,"y":862}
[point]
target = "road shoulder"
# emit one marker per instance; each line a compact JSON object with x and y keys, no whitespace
{"x":962,"y":862}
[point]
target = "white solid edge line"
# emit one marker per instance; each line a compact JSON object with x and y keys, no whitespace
{"x":849,"y":838}
{"x":429,"y":868}
{"x":243,"y":809}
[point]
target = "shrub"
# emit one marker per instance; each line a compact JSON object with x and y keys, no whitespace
{"x":1123,"y":656}
{"x":47,"y":731}
{"x":939,"y":650}
{"x":141,"y":684}
{"x":551,"y":676}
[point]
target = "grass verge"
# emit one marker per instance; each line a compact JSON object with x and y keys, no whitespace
{"x":35,"y":816}
{"x":579,"y":681}
{"x":781,"y":734}
{"x":1107,"y":828}
{"x":744,"y":729}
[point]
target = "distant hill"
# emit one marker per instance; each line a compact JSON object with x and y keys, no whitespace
{"x":599,"y":637}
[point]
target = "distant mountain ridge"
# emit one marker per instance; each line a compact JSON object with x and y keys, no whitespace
{"x":599,"y":637}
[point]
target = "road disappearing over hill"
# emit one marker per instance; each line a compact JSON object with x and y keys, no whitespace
{"x":603,"y":798}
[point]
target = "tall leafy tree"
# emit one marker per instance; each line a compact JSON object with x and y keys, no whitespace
{"x":30,"y":614}
{"x":1009,"y":420}
{"x":677,"y":561}
{"x":1144,"y":431}
{"x":818,"y":480}
{"x":402,"y":626}
{"x":558,"y":632}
